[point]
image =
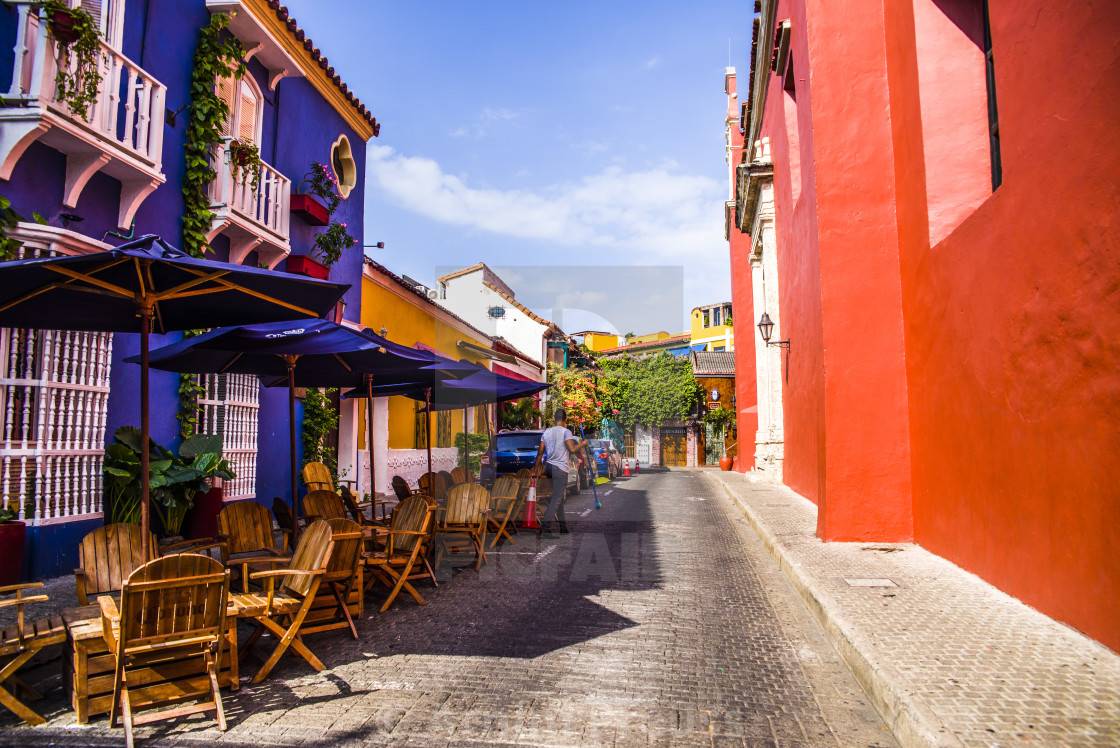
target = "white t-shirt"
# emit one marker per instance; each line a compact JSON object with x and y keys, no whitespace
{"x":556,"y":448}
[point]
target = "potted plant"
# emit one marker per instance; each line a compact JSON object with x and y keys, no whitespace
{"x":245,"y":159}
{"x":720,"y":419}
{"x":317,"y":196}
{"x":197,"y":470}
{"x":13,"y":536}
{"x":78,"y":38}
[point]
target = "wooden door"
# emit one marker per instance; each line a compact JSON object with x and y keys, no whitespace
{"x":674,"y":451}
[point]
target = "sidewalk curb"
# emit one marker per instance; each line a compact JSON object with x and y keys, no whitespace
{"x":911,"y":721}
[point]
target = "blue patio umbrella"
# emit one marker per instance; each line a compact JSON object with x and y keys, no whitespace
{"x":450,"y":393}
{"x":306,"y":352}
{"x":147,"y":284}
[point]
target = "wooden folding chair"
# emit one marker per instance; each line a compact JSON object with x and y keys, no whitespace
{"x":247,"y":538}
{"x":400,"y":488}
{"x":464,"y":516}
{"x":290,"y":603}
{"x":434,"y":485}
{"x":342,"y":576}
{"x":172,"y":614}
{"x":20,"y":643}
{"x":504,"y":501}
{"x":544,"y":495}
{"x":405,"y":544}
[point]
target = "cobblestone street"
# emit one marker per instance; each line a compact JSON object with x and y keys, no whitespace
{"x":660,"y":620}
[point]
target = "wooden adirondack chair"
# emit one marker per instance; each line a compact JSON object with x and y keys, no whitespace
{"x":405,"y":544}
{"x":342,"y":576}
{"x":172,"y":612}
{"x":400,"y":488}
{"x":359,"y":516}
{"x":317,"y":477}
{"x":282,"y":610}
{"x":247,"y":538}
{"x":464,"y":520}
{"x":20,"y":643}
{"x":448,"y":479}
{"x":109,"y":554}
{"x":505,"y":500}
{"x":323,"y":504}
{"x":434,"y":485}
{"x":461,"y":475}
{"x":285,"y":519}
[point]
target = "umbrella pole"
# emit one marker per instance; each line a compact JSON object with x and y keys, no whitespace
{"x":428,"y":418}
{"x":291,"y":361}
{"x":145,"y":479}
{"x":369,"y":429}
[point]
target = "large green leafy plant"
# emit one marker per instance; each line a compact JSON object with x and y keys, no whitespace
{"x":520,"y":414}
{"x":476,"y":444}
{"x":652,"y":391}
{"x":320,"y":418}
{"x":174,"y":480}
{"x":719,"y":419}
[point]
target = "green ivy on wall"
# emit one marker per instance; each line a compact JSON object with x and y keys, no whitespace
{"x":190,"y":390}
{"x":216,"y":56}
{"x":651,"y":391}
{"x":320,"y":418}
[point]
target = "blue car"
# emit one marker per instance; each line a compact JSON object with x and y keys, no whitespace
{"x":607,"y":458}
{"x":514,"y":450}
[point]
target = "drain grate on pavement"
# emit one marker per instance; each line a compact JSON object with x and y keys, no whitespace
{"x":869,"y":582}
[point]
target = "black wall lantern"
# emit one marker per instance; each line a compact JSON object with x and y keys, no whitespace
{"x":766,"y":329}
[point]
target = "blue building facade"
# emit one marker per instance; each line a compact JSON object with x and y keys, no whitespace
{"x":116,"y":171}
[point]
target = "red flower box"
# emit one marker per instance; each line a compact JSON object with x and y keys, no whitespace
{"x":304,"y":265}
{"x":310,"y":210}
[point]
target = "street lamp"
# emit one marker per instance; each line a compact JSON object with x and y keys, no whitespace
{"x":766,"y":329}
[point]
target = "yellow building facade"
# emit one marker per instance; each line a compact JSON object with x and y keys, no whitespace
{"x":406,"y":316}
{"x":711,"y":327}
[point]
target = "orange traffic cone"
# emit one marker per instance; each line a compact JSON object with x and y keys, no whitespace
{"x":530,"y":520}
{"x":626,"y":471}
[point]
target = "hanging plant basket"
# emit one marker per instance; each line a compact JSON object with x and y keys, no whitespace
{"x":62,"y":24}
{"x":241,"y":155}
{"x":310,"y":210}
{"x":304,"y":265}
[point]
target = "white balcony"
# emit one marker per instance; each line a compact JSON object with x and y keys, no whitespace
{"x":253,"y":219}
{"x":121,"y":134}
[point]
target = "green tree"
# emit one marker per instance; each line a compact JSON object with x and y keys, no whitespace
{"x":652,"y":390}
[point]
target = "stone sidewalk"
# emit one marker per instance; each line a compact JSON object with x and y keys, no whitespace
{"x":947,"y":659}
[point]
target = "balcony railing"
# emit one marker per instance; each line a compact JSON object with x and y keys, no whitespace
{"x":253,"y":217}
{"x":124,"y":124}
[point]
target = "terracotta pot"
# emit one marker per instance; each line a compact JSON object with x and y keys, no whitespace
{"x":310,"y":210}
{"x":202,"y":519}
{"x":725,"y":463}
{"x":13,"y":535}
{"x":304,"y":265}
{"x":62,"y":27}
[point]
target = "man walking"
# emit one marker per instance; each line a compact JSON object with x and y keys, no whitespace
{"x":556,"y":444}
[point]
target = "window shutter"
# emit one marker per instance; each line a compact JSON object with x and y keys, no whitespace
{"x":226,"y":87}
{"x":247,"y":122}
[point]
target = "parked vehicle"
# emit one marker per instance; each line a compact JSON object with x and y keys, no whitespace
{"x":514,"y":450}
{"x":608,"y":459}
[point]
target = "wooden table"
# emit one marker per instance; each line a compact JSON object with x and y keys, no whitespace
{"x":89,"y":666}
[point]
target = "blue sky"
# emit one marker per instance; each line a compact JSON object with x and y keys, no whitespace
{"x":539,"y":134}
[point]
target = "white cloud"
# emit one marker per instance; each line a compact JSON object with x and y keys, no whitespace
{"x":498,"y":114}
{"x":654,"y":216}
{"x":460,"y":132}
{"x":651,"y":62}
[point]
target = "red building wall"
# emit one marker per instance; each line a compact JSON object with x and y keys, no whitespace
{"x":954,"y":372}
